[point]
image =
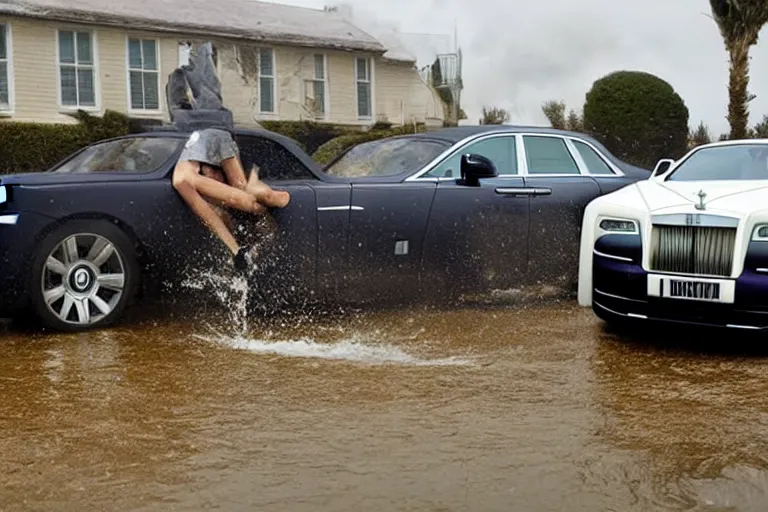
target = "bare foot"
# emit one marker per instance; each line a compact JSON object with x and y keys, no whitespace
{"x":255,"y":186}
{"x":279,"y":198}
{"x":264,"y":193}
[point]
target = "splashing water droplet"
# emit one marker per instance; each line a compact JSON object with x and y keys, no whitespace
{"x":231,"y":292}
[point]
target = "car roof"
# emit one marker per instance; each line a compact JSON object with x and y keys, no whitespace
{"x":457,"y":134}
{"x":733,"y":142}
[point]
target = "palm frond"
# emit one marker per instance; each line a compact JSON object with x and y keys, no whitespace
{"x":740,"y":21}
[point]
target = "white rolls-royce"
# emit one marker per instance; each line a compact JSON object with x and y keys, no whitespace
{"x":689,"y":245}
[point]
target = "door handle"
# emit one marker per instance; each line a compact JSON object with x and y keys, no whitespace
{"x":524,"y":191}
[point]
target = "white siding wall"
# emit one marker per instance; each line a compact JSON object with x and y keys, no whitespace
{"x":398,"y":93}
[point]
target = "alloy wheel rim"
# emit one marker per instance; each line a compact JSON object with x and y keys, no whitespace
{"x":83,"y":279}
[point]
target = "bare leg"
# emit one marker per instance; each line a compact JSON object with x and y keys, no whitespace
{"x":207,"y":214}
{"x":220,"y":192}
{"x":233,"y":168}
{"x":265,"y":194}
{"x":191,"y":186}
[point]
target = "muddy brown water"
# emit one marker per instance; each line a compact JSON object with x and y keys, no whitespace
{"x":475,"y":409}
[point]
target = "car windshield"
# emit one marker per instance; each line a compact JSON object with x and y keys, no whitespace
{"x":386,"y":157}
{"x":738,"y":162}
{"x":130,"y":155}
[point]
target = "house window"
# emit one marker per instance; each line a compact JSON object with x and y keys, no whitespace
{"x":143,"y":74}
{"x":267,"y":80}
{"x":77,"y":72}
{"x":318,"y":84}
{"x":363,"y":76}
{"x":5,"y":68}
{"x":185,"y":51}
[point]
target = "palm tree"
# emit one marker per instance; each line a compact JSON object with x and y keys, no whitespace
{"x":740,"y":22}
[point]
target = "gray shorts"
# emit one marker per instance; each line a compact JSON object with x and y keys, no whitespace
{"x":210,"y":146}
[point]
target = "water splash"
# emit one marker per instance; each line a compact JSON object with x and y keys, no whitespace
{"x":354,"y":349}
{"x":230,"y":291}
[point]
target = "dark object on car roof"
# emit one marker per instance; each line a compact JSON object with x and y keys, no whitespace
{"x":194,"y":94}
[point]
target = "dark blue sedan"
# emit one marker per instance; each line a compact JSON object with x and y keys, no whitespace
{"x":429,"y":216}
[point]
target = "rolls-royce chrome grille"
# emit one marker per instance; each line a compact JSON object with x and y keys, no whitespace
{"x":693,"y":250}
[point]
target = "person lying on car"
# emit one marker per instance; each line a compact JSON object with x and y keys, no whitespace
{"x":195,"y":104}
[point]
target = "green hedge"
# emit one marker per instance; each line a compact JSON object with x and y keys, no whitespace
{"x":34,"y":147}
{"x":331,"y":149}
{"x":309,"y":135}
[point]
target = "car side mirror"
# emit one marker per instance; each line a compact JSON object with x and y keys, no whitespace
{"x":661,"y":167}
{"x":475,"y":168}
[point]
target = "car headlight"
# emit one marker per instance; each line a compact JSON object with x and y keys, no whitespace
{"x":760,"y":234}
{"x":619,"y":226}
{"x":3,"y":194}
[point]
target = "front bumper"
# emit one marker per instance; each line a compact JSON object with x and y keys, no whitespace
{"x":620,"y":290}
{"x":17,"y":245}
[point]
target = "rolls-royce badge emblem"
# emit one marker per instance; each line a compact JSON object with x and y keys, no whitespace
{"x":700,"y":205}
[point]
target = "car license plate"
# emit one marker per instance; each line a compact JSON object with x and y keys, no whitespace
{"x":694,"y":290}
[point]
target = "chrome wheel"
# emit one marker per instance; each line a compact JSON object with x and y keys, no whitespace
{"x":83,"y":279}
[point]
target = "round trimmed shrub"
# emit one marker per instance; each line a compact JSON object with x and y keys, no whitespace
{"x":638,"y":116}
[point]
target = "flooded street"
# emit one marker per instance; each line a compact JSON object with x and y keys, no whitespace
{"x":495,"y":409}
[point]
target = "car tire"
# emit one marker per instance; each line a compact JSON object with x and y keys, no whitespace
{"x":83,"y":274}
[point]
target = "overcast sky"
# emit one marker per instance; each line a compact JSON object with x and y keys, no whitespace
{"x":518,"y":54}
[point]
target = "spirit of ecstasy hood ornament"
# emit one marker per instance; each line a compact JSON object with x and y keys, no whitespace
{"x":700,"y":205}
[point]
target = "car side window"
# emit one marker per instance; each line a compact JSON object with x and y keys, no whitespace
{"x":275,"y":162}
{"x":594,"y":161}
{"x":548,"y":155}
{"x":138,"y":155}
{"x":502,"y":151}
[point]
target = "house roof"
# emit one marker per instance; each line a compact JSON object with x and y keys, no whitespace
{"x":387,"y":33}
{"x":240,"y":19}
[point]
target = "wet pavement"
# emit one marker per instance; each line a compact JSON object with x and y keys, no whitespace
{"x":476,"y":409}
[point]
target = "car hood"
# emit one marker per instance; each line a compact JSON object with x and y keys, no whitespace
{"x":736,"y":197}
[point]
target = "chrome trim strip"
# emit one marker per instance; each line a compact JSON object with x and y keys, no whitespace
{"x":9,"y":220}
{"x":610,"y":310}
{"x":520,"y":146}
{"x":339,"y":208}
{"x":618,"y":297}
{"x":453,"y":150}
{"x":695,"y":219}
{"x":516,"y":191}
{"x":762,"y":270}
{"x":610,"y":256}
{"x":617,"y":173}
{"x":3,"y":194}
{"x":643,"y":317}
{"x":525,"y":191}
{"x":665,"y":273}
